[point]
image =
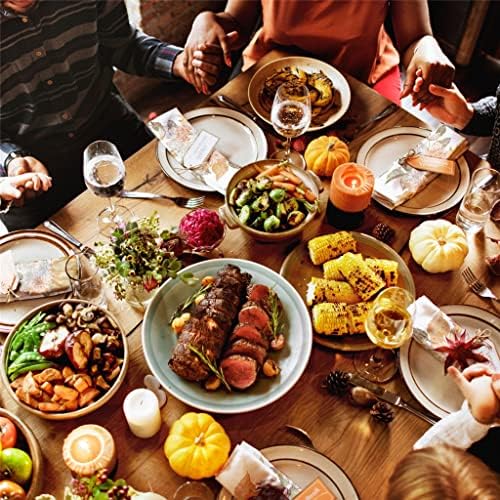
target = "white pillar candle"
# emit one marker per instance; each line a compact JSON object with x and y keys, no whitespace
{"x":142,"y":412}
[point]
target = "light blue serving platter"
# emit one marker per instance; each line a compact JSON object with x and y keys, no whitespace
{"x":158,"y":341}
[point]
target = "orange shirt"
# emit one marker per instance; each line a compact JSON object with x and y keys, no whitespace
{"x":349,"y":34}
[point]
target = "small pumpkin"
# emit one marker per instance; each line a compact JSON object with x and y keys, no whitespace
{"x":324,"y":154}
{"x":197,"y":446}
{"x":438,"y":246}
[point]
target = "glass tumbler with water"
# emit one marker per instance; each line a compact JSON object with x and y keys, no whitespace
{"x":104,"y":173}
{"x":483,"y":191}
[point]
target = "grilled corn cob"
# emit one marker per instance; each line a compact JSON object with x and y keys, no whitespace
{"x":364,"y":281}
{"x":356,"y":314}
{"x":331,"y":268}
{"x":321,"y":290}
{"x":330,"y":319}
{"x":329,"y":246}
{"x":386,"y":269}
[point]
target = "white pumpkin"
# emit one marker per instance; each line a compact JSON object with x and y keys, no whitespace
{"x":438,"y":246}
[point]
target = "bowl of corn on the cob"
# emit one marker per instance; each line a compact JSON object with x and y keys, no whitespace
{"x":272,"y":201}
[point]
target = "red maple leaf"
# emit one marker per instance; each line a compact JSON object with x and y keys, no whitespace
{"x":459,"y":348}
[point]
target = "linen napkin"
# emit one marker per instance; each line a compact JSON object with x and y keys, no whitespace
{"x":401,"y":181}
{"x":430,"y":320}
{"x":31,"y":279}
{"x":247,"y":468}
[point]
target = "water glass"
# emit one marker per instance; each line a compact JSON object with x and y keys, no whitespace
{"x":85,"y":279}
{"x":482,"y":193}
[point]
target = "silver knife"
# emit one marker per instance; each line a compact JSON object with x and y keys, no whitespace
{"x":57,"y":229}
{"x":388,"y":397}
{"x":227,"y":101}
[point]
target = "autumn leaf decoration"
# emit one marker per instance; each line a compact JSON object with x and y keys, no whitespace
{"x":459,"y":348}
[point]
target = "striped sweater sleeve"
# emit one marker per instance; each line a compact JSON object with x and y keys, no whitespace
{"x":128,"y":48}
{"x":483,"y":119}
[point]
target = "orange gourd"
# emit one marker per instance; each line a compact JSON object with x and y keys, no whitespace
{"x":324,"y":154}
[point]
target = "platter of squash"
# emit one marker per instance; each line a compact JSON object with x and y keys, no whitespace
{"x":325,"y":271}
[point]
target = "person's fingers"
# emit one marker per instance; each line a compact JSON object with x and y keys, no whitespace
{"x":18,"y":166}
{"x":206,"y":67}
{"x":408,"y":83}
{"x":10,"y":192}
{"x":461,"y":382}
{"x":36,"y":183}
{"x":477,"y":370}
{"x":227,"y":42}
{"x":36,"y":165}
{"x":209,"y":49}
{"x":46,"y":182}
{"x":419,"y":81}
{"x":439,"y":91}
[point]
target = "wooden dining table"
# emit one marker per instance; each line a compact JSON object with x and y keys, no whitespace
{"x":366,"y":450}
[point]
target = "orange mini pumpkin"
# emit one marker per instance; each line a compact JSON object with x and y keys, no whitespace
{"x":324,"y":154}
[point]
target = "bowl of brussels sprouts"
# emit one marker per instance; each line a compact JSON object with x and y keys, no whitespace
{"x":272,"y":200}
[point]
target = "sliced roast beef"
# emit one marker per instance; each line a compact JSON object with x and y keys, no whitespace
{"x":239,"y":371}
{"x":250,"y":333}
{"x":254,"y":315}
{"x":247,"y":348}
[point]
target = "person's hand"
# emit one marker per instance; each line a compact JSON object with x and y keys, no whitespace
{"x":206,"y":33}
{"x":27,"y":165}
{"x":435,"y":68}
{"x":12,"y":188}
{"x":478,"y":387}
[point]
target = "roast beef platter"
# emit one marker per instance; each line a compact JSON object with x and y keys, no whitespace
{"x":226,"y":331}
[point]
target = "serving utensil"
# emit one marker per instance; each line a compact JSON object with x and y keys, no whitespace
{"x":302,"y":434}
{"x":387,"y":396}
{"x":477,"y":286}
{"x":181,"y":201}
{"x":62,"y":233}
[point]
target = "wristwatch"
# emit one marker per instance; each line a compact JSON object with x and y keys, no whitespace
{"x":17,"y":153}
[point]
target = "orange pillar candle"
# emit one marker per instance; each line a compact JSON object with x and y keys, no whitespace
{"x":351,"y":187}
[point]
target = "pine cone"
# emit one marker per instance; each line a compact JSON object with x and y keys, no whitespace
{"x":337,"y":383}
{"x":382,"y":412}
{"x":383,"y":232}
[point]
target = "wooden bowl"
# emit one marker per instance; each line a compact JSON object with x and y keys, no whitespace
{"x":32,"y":447}
{"x":70,"y":414}
{"x":227,"y":212}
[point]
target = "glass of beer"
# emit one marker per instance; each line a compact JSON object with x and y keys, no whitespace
{"x":388,"y":325}
{"x":104,"y":174}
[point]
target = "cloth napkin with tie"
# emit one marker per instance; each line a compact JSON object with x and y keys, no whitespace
{"x":401,"y":181}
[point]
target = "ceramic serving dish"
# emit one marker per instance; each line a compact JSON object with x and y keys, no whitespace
{"x":67,"y":415}
{"x":230,"y":217}
{"x":27,"y":441}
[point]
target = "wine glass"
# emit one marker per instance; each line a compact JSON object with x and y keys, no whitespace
{"x":388,"y":325}
{"x":291,"y":116}
{"x":193,"y":490}
{"x":104,"y":173}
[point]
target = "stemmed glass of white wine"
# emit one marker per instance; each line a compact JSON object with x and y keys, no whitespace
{"x":388,"y":325}
{"x":104,"y":174}
{"x":291,"y":117}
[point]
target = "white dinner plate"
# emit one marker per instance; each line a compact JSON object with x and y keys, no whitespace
{"x":158,"y":342}
{"x":28,"y":245}
{"x":424,"y":375}
{"x":303,"y":466}
{"x":444,"y":192}
{"x":241,"y":141}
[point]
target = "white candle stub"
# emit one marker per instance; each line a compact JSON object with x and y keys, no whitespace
{"x":142,"y":412}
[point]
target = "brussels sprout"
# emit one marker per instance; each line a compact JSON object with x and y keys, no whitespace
{"x":272,"y":223}
{"x":291,"y":205}
{"x":233,"y":196}
{"x":244,"y":214}
{"x":242,"y":184}
{"x":277,"y":195}
{"x":244,"y":197}
{"x":295,"y":218}
{"x":261,"y":203}
{"x":256,"y":223}
{"x":280,"y":210}
{"x":310,"y":207}
{"x":263,"y":183}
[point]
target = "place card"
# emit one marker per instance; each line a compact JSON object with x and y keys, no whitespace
{"x":200,"y":150}
{"x":317,"y":490}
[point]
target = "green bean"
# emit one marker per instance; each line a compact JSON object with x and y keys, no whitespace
{"x":42,"y":365}
{"x":25,"y":358}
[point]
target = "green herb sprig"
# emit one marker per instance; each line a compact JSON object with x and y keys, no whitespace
{"x":189,"y":302}
{"x":211,"y":365}
{"x":276,"y":311}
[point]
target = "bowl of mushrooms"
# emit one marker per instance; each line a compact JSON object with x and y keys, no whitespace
{"x":64,"y":359}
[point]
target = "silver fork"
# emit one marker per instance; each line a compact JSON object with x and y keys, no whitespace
{"x":181,"y":201}
{"x":477,"y":286}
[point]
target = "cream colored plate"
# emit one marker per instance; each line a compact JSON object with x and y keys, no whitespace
{"x":424,"y":375}
{"x":298,"y":269}
{"x":27,"y":246}
{"x":303,"y":466}
{"x":309,"y":65}
{"x":444,"y":192}
{"x":241,"y":141}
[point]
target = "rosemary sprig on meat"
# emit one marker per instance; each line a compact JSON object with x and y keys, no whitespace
{"x":189,"y":302}
{"x":212,"y":366}
{"x":275,"y":311}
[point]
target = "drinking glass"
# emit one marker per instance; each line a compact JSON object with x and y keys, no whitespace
{"x":85,"y":279}
{"x":104,"y":173}
{"x":476,"y":205}
{"x":388,"y":325}
{"x":193,"y":490}
{"x":291,"y":116}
